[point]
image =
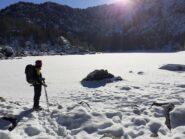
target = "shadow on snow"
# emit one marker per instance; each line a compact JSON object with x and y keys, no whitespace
{"x":5,"y":124}
{"x":95,"y":84}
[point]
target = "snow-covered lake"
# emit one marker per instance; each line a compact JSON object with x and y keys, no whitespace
{"x":121,"y":109}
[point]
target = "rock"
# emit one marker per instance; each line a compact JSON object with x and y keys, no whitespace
{"x":125,"y":88}
{"x":7,"y":51}
{"x":98,"y":75}
{"x":99,"y":78}
{"x":115,"y":79}
{"x":2,"y":99}
{"x":168,"y":107}
{"x":60,"y":106}
{"x":140,"y":73}
{"x":177,"y":117}
{"x":173,"y":67}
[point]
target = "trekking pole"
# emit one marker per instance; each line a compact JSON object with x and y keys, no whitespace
{"x":47,"y":101}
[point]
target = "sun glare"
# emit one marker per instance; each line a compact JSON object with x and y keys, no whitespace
{"x":123,"y":2}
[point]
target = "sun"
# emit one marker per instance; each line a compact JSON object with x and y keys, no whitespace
{"x":123,"y":2}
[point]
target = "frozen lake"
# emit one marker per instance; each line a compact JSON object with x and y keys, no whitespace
{"x":65,"y":72}
{"x":117,"y":110}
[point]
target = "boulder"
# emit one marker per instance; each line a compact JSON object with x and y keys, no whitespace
{"x":168,"y":107}
{"x":2,"y":99}
{"x":7,"y":51}
{"x":173,"y":67}
{"x":97,"y":75}
{"x":99,"y":78}
{"x":177,"y":116}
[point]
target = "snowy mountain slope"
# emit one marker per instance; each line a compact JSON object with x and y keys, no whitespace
{"x":143,"y":25}
{"x":117,"y":110}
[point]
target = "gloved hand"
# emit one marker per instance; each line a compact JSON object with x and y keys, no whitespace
{"x":45,"y":85}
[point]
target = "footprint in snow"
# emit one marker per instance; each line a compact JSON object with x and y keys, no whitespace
{"x":32,"y":131}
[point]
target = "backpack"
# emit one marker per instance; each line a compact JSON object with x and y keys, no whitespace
{"x":29,"y":71}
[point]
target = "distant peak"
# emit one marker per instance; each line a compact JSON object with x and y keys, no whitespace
{"x":50,"y":3}
{"x":23,"y":3}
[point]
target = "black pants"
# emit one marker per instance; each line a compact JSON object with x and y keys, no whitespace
{"x":37,"y":94}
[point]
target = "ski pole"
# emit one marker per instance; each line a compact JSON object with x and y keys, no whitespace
{"x":47,"y":101}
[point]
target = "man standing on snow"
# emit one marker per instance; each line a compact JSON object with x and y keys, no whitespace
{"x":38,"y":82}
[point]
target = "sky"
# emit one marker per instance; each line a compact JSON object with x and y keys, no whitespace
{"x":71,"y":3}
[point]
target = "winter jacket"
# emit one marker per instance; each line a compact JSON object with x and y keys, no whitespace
{"x":37,"y":76}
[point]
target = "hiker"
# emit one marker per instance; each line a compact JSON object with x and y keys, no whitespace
{"x":37,"y":84}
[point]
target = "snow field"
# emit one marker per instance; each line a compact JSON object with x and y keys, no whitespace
{"x":120,"y":110}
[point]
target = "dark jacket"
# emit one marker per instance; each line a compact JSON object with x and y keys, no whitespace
{"x":37,"y":76}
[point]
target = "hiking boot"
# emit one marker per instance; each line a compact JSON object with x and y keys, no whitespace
{"x":37,"y":108}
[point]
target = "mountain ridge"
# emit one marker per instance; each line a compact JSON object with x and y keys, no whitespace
{"x":149,"y":25}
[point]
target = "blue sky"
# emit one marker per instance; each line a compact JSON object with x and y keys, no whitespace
{"x":71,"y":3}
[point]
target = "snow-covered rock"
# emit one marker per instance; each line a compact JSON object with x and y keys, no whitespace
{"x":7,"y":51}
{"x":99,"y":78}
{"x":173,"y":67}
{"x":177,"y":117}
{"x":97,"y":75}
{"x":2,"y":99}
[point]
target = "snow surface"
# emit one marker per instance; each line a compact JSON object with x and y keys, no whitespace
{"x":120,"y":110}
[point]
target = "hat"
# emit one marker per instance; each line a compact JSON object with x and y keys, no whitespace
{"x":38,"y":63}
